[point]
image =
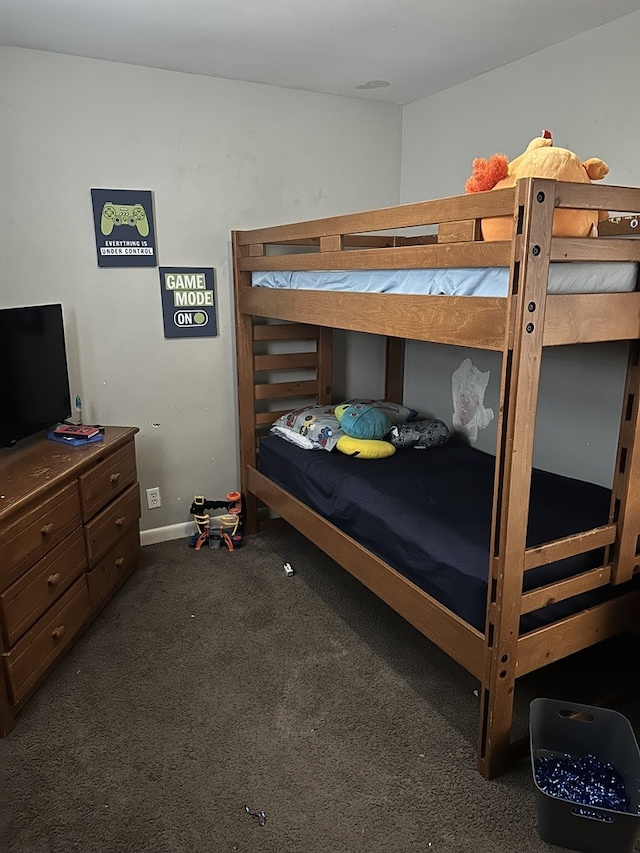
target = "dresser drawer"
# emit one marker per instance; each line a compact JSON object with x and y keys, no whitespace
{"x":36,"y":590}
{"x":103,"y":531}
{"x":36,"y":652}
{"x":31,"y":535}
{"x":106,"y":480}
{"x":114,"y":568}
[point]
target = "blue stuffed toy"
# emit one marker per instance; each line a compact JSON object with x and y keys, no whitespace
{"x":364,"y":428}
{"x":360,"y":420}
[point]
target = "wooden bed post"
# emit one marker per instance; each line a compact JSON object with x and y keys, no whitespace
{"x":325,"y":366}
{"x":521,"y":359}
{"x":625,"y":498}
{"x":246,"y":403}
{"x":334,"y":243}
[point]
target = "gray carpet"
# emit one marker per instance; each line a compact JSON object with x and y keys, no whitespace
{"x":214,"y":681}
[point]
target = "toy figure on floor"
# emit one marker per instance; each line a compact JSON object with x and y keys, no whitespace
{"x":226,"y":529}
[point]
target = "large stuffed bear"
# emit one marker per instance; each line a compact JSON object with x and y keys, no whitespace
{"x":540,"y":160}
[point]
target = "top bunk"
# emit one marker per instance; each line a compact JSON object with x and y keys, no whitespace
{"x":454,"y":288}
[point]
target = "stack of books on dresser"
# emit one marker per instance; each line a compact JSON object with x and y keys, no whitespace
{"x":75,"y":434}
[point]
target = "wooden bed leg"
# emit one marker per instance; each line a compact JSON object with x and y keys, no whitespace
{"x":495,"y":731}
{"x":7,"y":721}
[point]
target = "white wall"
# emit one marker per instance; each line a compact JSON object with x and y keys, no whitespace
{"x":218,"y":155}
{"x":222,"y":154}
{"x":585,"y":92}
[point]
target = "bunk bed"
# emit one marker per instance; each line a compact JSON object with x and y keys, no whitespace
{"x":532,"y":615}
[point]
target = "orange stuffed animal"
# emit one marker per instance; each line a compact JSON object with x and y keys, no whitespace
{"x":540,"y":160}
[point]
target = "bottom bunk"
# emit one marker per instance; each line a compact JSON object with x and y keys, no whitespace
{"x":415,"y":529}
{"x":427,"y":513}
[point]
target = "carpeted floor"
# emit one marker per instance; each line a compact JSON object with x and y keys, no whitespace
{"x":213,"y":682}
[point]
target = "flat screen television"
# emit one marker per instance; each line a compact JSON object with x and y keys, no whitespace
{"x":34,"y":377}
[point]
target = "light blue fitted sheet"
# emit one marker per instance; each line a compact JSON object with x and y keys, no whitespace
{"x":615,"y":277}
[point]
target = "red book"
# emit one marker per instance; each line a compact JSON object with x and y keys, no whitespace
{"x":76,"y":430}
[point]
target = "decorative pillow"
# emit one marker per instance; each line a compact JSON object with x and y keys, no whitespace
{"x":311,"y":427}
{"x":293,"y":437}
{"x":361,"y":448}
{"x":360,"y":420}
{"x":430,"y":433}
{"x":398,"y":413}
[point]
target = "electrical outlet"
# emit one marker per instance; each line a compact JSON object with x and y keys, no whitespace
{"x":153,"y":498}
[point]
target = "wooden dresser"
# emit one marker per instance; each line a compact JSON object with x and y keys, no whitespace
{"x":69,"y":537}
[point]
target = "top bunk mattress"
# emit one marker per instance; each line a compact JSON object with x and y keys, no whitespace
{"x":427,"y":513}
{"x":609,"y":277}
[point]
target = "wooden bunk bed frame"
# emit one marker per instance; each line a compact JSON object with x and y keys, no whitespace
{"x":518,"y":327}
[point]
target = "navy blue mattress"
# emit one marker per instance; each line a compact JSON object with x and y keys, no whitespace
{"x":427,"y":513}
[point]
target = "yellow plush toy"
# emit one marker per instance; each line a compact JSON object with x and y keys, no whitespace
{"x":540,"y":160}
{"x":364,"y":426}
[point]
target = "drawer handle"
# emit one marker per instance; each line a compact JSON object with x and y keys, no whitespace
{"x":47,"y":529}
{"x":119,"y":562}
{"x":54,"y":580}
{"x":120,"y":521}
{"x":58,"y":632}
{"x":115,"y":478}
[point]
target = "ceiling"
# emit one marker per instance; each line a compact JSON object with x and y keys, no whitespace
{"x":339,"y":47}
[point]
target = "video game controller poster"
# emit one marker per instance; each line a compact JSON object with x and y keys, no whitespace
{"x":123,"y":222}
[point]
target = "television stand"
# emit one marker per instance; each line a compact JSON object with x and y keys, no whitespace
{"x":69,"y":537}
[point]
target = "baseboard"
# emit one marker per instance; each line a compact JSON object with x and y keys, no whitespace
{"x":168,"y":533}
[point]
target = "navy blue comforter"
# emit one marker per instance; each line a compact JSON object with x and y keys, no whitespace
{"x":427,"y":513}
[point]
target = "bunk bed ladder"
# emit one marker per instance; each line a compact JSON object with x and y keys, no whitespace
{"x":267,"y":356}
{"x":301,"y":349}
